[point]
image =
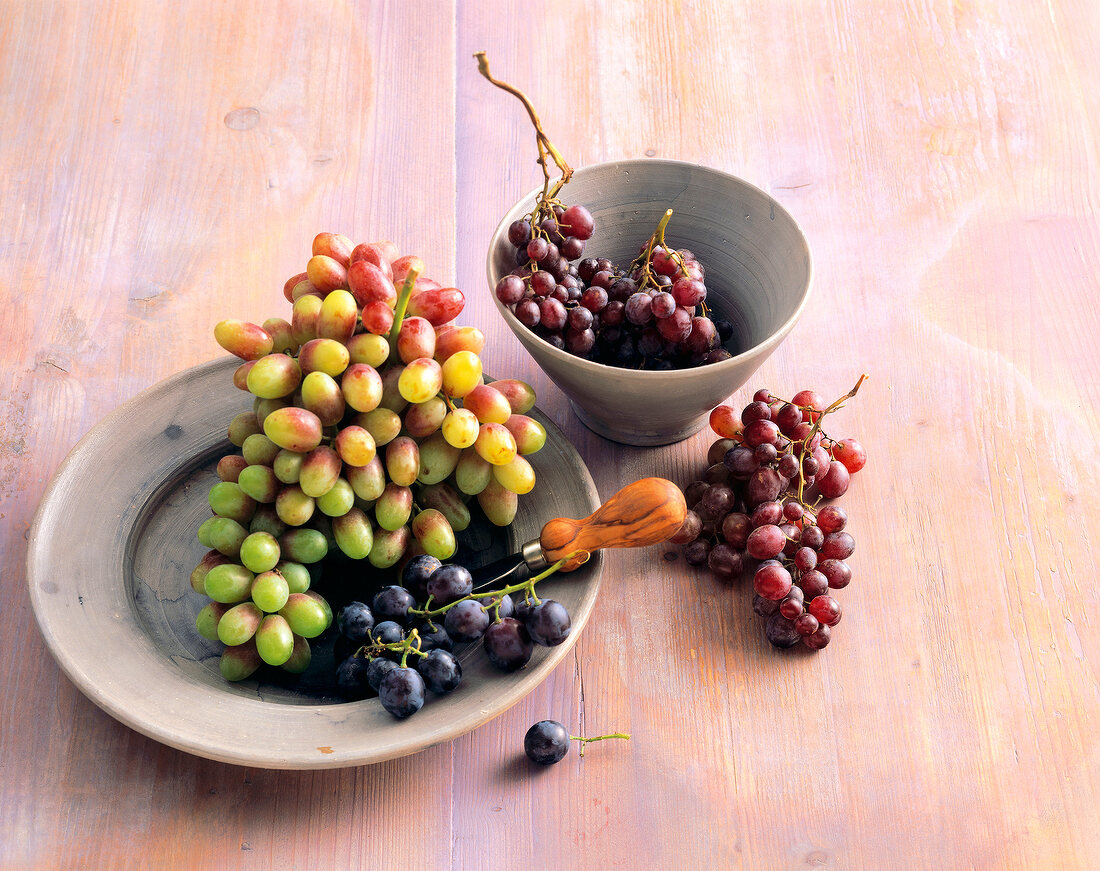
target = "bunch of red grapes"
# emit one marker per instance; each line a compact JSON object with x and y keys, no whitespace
{"x":761,"y":505}
{"x":649,"y":315}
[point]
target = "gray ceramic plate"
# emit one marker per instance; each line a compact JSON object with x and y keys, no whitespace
{"x":111,"y":551}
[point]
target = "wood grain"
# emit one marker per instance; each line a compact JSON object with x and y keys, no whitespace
{"x":166,"y":165}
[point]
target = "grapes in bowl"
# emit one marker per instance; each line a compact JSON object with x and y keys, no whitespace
{"x":631,"y":373}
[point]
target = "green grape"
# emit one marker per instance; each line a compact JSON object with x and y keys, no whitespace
{"x":393,"y":507}
{"x":420,"y":380}
{"x":424,"y":418}
{"x":288,"y":466}
{"x":354,"y":535}
{"x":368,"y":481}
{"x":198,"y":575}
{"x":355,"y":445}
{"x":338,"y":500}
{"x":402,"y":461}
{"x":259,"y":450}
{"x":434,"y":534}
{"x":444,"y":498}
{"x":337,"y":318}
{"x":266,"y":519}
{"x":495,"y":444}
{"x":517,"y":476}
{"x":461,"y":373}
{"x":259,"y":483}
{"x":303,"y":319}
{"x":296,"y":429}
{"x":383,"y":424}
{"x":242,"y":426}
{"x":293,"y":506}
{"x":259,"y":553}
{"x":530,"y":435}
{"x":520,"y":394}
{"x":325,"y":606}
{"x":206,"y":621}
{"x":274,"y":640}
{"x":240,"y":662}
{"x":323,"y":525}
{"x":297,"y":576}
{"x":270,"y":590}
{"x":304,"y":615}
{"x":322,"y":395}
{"x":248,"y":341}
{"x":323,"y":355}
{"x":368,"y":348}
{"x":437,"y":459}
{"x":499,"y":505}
{"x":282,"y":339}
{"x":239,"y":623}
{"x":229,"y":583}
{"x":263,"y":408}
{"x":300,"y":656}
{"x":229,"y":500}
{"x":223,"y":534}
{"x":362,"y":387}
{"x":472,"y":473}
{"x":303,"y":545}
{"x":320,"y":471}
{"x":274,"y":376}
{"x":389,"y":546}
{"x":460,"y":428}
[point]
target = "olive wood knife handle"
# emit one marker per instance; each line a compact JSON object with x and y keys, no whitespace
{"x":645,"y":512}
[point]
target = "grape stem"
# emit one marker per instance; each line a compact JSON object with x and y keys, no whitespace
{"x":815,"y":429}
{"x":624,"y":735}
{"x":643,"y":260}
{"x":401,"y":307}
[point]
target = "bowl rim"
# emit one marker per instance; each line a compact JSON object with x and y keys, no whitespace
{"x":669,"y":375}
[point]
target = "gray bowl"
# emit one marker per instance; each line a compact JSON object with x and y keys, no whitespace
{"x":758,"y":273}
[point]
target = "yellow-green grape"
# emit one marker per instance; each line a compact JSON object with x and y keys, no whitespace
{"x":383,"y":424}
{"x":472,"y":473}
{"x":394,"y":506}
{"x":229,"y":500}
{"x":495,"y":444}
{"x":206,"y":621}
{"x":434,"y":534}
{"x":230,"y":583}
{"x":300,"y":656}
{"x":520,"y":394}
{"x":242,"y":426}
{"x":240,"y":662}
{"x":304,"y":615}
{"x":424,"y":418}
{"x":355,"y":445}
{"x":248,"y":341}
{"x":263,"y":407}
{"x":437,"y":459}
{"x":260,"y":483}
{"x":288,"y":465}
{"x":223,"y":534}
{"x":368,"y":348}
{"x":337,"y":318}
{"x":391,"y":393}
{"x":354,"y":535}
{"x":293,"y":506}
{"x":198,"y":575}
{"x":461,"y":373}
{"x":368,"y":481}
{"x":320,"y":471}
{"x":239,"y":623}
{"x":282,"y":336}
{"x":296,"y":429}
{"x":530,"y":435}
{"x":270,"y":590}
{"x":274,"y":639}
{"x":517,"y":476}
{"x":445,"y":499}
{"x":323,"y":355}
{"x":259,"y":553}
{"x":363,"y":387}
{"x":323,"y":525}
{"x":240,"y":375}
{"x":259,"y":450}
{"x":303,"y":545}
{"x":266,"y":519}
{"x":297,"y":576}
{"x":460,"y":428}
{"x":274,"y":376}
{"x":303,"y":319}
{"x":500,"y":505}
{"x":389,"y":547}
{"x":402,"y":461}
{"x":488,"y":403}
{"x":325,"y":606}
{"x":339,"y":499}
{"x":420,"y":380}
{"x":322,"y":395}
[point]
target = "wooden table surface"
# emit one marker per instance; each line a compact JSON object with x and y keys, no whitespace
{"x":165,"y":165}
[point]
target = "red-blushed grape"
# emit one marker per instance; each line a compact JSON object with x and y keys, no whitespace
{"x":819,"y":638}
{"x":377,"y":318}
{"x":403,"y":265}
{"x":421,"y":380}
{"x":333,"y":245}
{"x":323,"y":355}
{"x":760,"y":432}
{"x":368,"y":481}
{"x":319,"y":471}
{"x":689,"y":530}
{"x":259,"y":483}
{"x":498,"y":503}
{"x":240,"y":374}
{"x":446,"y":500}
{"x":289,"y":285}
{"x":851,"y":453}
{"x":230,"y":467}
{"x":282,"y":339}
{"x":520,"y":394}
{"x":530,"y":435}
{"x":294,"y":507}
{"x":303,"y":319}
{"x":439,"y":305}
{"x":424,"y":418}
{"x":389,"y":546}
{"x":326,"y":273}
{"x":355,"y":445}
{"x":246,"y":340}
{"x":488,"y":404}
{"x":834,"y":482}
{"x":765,"y":542}
{"x":450,"y":340}
{"x":836,"y":572}
{"x":809,"y":399}
{"x":321,"y":394}
{"x":296,"y":429}
{"x":495,"y":444}
{"x":368,"y":284}
{"x":240,"y":662}
{"x":373,"y":253}
{"x":724,"y":422}
{"x":415,"y":339}
{"x":384,"y":424}
{"x":362,"y":388}
{"x":772,"y":581}
{"x":460,"y":428}
{"x":431,"y":528}
{"x":826,"y":609}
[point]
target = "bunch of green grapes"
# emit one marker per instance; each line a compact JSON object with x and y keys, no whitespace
{"x":372,"y":427}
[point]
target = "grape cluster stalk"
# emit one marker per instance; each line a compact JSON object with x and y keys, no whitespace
{"x":765,"y":503}
{"x":371,"y":427}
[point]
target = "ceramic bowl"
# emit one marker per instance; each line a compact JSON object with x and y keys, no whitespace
{"x":758,"y":275}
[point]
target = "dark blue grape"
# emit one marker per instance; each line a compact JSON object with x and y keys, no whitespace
{"x":434,"y":637}
{"x":402,"y":692}
{"x":449,"y":583}
{"x":387,"y":632}
{"x":548,"y":623}
{"x":507,"y":607}
{"x":355,"y":621}
{"x":377,"y":669}
{"x":466,"y":621}
{"x":351,"y":679}
{"x":546,"y":742}
{"x":393,"y":603}
{"x":508,"y":644}
{"x":440,"y":670}
{"x":414,"y":577}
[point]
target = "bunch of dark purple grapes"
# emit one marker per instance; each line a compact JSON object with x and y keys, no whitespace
{"x":650,"y":315}
{"x":758,"y":506}
{"x":403,"y":643}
